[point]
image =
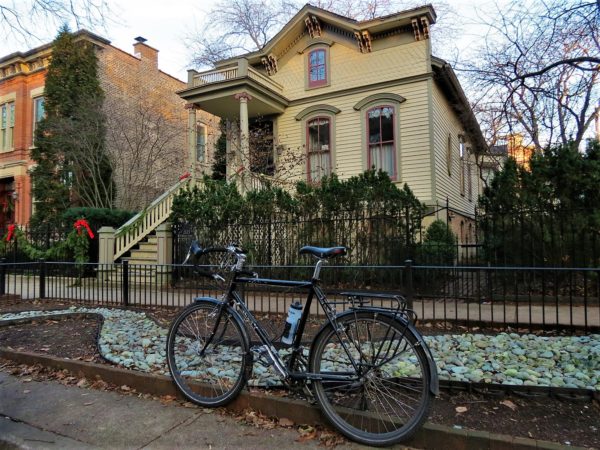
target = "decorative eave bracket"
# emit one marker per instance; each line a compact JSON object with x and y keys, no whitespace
{"x":363,"y":39}
{"x":420,"y":27}
{"x":313,"y":26}
{"x":270,"y":64}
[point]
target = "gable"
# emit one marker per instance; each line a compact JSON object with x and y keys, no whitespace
{"x":350,"y":69}
{"x":364,"y":37}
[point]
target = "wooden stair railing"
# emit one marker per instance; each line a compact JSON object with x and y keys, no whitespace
{"x":143,"y":223}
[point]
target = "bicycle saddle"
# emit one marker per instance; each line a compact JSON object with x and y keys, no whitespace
{"x":322,"y":252}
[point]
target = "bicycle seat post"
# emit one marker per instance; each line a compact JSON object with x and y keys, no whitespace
{"x":317,"y":272}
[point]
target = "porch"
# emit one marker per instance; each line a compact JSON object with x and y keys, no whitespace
{"x":248,"y":101}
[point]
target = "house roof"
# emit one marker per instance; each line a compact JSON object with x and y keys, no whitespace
{"x":498,"y":150}
{"x":296,"y":26}
{"x":34,"y":52}
{"x":445,"y":76}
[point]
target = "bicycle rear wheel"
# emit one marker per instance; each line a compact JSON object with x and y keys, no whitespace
{"x":390,"y":397}
{"x":207,"y":353}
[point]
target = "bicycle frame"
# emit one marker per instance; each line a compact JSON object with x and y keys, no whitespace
{"x":314,"y":290}
{"x":233,"y":298}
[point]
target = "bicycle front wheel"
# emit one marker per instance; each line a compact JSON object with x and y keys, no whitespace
{"x":389,"y":397}
{"x":207,"y":353}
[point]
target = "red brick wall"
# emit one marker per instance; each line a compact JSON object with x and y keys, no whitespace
{"x":15,"y":163}
{"x":129,"y":82}
{"x":138,"y":94}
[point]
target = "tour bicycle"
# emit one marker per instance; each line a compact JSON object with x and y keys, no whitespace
{"x":368,"y":368}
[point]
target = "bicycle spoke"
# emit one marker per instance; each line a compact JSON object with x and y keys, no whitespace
{"x":206,"y":346}
{"x":380,"y":406}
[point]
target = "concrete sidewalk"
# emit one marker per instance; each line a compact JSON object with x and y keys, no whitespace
{"x":48,"y":415}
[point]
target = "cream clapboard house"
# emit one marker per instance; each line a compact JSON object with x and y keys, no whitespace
{"x":331,"y":94}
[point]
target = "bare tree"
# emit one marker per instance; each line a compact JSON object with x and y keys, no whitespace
{"x":23,"y":19}
{"x":84,"y":161}
{"x":241,"y":26}
{"x":537,"y":70}
{"x":235,"y":27}
{"x":269,"y":160}
{"x":145,"y":147}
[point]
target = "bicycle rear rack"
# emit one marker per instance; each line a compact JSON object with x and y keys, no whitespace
{"x":361,"y":299}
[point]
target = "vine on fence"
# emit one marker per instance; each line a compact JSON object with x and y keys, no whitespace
{"x":76,"y":244}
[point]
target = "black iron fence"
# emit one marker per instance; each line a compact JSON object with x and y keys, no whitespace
{"x":483,"y":298}
{"x":42,"y":238}
{"x":557,"y":238}
{"x":372,"y":237}
{"x":515,"y":238}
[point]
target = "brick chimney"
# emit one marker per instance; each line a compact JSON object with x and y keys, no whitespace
{"x":145,"y":52}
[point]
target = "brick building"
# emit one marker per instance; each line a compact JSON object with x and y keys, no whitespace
{"x":147,"y":125}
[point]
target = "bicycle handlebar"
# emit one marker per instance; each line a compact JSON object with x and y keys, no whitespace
{"x":233,"y":249}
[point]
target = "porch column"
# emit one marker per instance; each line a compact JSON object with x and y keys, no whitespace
{"x":232,"y":150}
{"x":243,"y":98}
{"x":191,"y":139}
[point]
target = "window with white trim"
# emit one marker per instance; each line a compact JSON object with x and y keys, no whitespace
{"x":449,"y":155}
{"x":201,"y":134}
{"x":39,"y":111}
{"x":463,"y":163}
{"x":469,"y":181}
{"x":317,"y":68}
{"x":381,"y":139}
{"x":7,"y":126}
{"x":318,"y":148}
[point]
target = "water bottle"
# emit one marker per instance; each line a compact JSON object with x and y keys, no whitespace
{"x":291,"y":323}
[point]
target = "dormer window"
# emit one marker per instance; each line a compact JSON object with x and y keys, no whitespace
{"x":317,"y":68}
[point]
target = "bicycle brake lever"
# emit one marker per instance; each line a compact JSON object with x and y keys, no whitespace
{"x":187,"y":257}
{"x":217,"y":277}
{"x":248,"y":273}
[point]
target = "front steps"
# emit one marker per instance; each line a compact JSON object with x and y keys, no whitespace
{"x":142,"y":265}
{"x":147,"y":253}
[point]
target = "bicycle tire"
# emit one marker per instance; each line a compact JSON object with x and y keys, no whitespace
{"x":209,"y":362}
{"x":391,"y":398}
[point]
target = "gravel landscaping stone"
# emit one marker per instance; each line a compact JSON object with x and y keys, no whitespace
{"x":133,"y":340}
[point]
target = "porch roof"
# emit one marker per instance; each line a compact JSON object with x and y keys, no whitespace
{"x":214,"y":91}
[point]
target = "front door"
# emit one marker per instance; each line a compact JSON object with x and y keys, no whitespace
{"x":261,"y":147}
{"x":7,"y":202}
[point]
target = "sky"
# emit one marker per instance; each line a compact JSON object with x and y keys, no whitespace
{"x":165,"y":25}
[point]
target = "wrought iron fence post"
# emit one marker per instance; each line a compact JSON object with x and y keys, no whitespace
{"x":125,"y":283}
{"x":42,"y":267}
{"x":2,"y":276}
{"x":408,"y":283}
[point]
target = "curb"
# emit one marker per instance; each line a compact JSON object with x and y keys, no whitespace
{"x":430,"y":436}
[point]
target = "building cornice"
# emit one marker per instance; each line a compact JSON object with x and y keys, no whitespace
{"x":358,"y":89}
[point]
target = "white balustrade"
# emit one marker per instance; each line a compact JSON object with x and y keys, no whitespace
{"x":143,"y":223}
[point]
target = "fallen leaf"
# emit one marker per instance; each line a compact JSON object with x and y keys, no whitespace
{"x":509,"y":404}
{"x":26,"y":391}
{"x":166,"y":399}
{"x":285,"y":422}
{"x":88,"y":403}
{"x":306,"y":433}
{"x":82,"y":382}
{"x":461,"y":409}
{"x":99,"y":384}
{"x":330,"y":439}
